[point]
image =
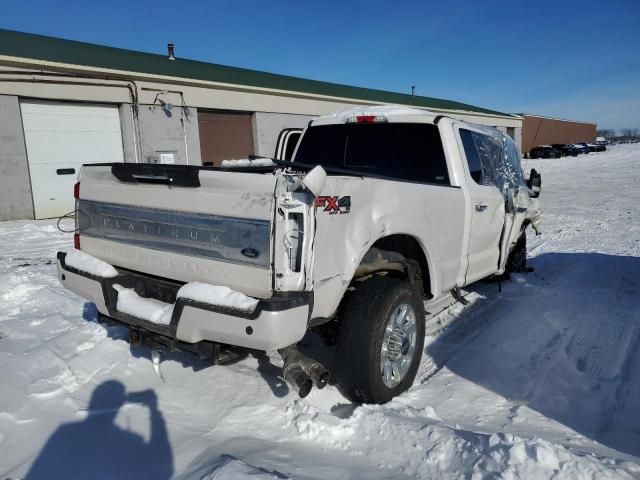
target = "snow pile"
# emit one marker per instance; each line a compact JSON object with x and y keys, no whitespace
{"x":148,"y":309}
{"x":458,"y":452}
{"x":87,"y":263}
{"x":218,"y":295}
{"x":244,"y":162}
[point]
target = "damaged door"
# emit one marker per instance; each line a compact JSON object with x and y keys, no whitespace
{"x":487,"y":204}
{"x":517,"y":201}
{"x":516,"y":212}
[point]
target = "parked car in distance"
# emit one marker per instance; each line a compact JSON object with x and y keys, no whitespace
{"x":544,"y":151}
{"x":582,"y":147}
{"x":566,"y":149}
{"x":593,"y":147}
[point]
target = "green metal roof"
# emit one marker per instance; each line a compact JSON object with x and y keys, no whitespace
{"x":40,"y":47}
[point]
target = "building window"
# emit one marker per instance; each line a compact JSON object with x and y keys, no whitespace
{"x":511,"y":131}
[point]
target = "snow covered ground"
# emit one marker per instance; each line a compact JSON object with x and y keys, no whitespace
{"x":541,"y":380}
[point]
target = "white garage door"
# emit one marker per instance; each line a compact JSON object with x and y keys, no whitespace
{"x":60,"y":137}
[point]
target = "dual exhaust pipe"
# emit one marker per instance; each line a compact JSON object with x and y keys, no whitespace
{"x":301,"y":372}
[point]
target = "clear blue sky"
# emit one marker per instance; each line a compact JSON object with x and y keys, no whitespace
{"x":572,"y":59}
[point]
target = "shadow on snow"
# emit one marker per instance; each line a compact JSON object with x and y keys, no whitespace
{"x":565,"y":342}
{"x":97,"y":448}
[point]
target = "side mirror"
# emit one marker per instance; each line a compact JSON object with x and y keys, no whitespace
{"x":534,"y":183}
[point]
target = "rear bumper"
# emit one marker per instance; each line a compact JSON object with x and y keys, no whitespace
{"x":276,"y":323}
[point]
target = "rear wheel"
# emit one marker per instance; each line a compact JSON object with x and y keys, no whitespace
{"x":380,"y":340}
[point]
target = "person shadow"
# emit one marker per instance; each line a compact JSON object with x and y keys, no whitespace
{"x":97,"y":448}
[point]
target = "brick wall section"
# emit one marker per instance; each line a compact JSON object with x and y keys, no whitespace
{"x":545,"y":131}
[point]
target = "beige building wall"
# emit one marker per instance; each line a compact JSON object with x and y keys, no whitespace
{"x":150,"y":127}
{"x":148,"y":89}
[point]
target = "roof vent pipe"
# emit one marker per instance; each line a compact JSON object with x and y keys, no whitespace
{"x":170,"y":51}
{"x":413,"y":90}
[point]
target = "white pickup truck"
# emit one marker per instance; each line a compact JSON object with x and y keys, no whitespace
{"x":382,"y":211}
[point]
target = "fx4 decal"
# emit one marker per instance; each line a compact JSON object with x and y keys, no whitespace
{"x":334,"y":205}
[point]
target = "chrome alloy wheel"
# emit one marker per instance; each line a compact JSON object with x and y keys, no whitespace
{"x":398,"y":345}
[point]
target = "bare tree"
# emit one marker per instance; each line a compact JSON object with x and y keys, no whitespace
{"x":606,"y":133}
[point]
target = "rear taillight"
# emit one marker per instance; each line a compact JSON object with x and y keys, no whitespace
{"x":367,"y":119}
{"x":76,"y":191}
{"x":76,"y":241}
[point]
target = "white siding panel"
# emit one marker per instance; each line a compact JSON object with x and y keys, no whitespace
{"x":66,"y":135}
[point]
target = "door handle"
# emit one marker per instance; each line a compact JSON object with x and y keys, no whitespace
{"x":480,"y":207}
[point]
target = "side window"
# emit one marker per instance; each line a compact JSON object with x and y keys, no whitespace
{"x":490,"y":152}
{"x":492,"y":161}
{"x":511,"y":171}
{"x":483,"y":157}
{"x":473,"y":158}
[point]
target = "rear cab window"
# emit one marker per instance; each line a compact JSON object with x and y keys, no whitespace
{"x":404,"y":151}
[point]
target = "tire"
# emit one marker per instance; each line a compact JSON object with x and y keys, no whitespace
{"x":517,"y":261}
{"x":363,"y":333}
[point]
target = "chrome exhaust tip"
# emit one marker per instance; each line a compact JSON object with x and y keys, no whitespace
{"x":302,"y":372}
{"x":298,"y":379}
{"x":318,"y":373}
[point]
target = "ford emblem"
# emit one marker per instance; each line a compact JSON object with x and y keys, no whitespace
{"x":250,"y":252}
